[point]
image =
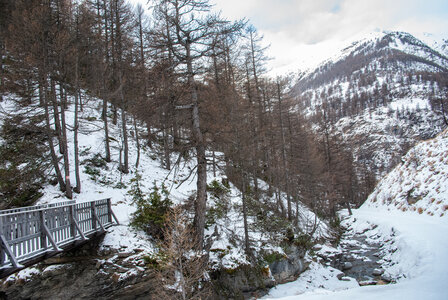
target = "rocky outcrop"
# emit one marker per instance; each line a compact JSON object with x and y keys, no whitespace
{"x":84,"y":274}
{"x":89,"y":273}
{"x":248,"y":281}
{"x":290,"y":267}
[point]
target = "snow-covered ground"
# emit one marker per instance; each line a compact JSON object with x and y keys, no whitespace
{"x":419,"y":183}
{"x":421,"y":255}
{"x":406,"y":213}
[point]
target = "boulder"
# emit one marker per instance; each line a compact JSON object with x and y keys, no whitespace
{"x":378,"y":272}
{"x":386,"y":277}
{"x":347,"y":265}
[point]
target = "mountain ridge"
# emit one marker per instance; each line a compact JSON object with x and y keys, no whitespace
{"x":381,"y":94}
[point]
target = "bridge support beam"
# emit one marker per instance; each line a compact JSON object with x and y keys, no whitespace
{"x":50,"y":238}
{"x":7,"y":249}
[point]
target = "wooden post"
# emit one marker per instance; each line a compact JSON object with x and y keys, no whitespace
{"x":43,"y":236}
{"x":95,"y":217}
{"x":50,"y":238}
{"x":12,"y":258}
{"x":109,"y":211}
{"x":92,"y":215}
{"x":72,"y":221}
{"x":2,"y":251}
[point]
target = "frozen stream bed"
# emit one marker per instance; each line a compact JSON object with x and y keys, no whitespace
{"x":411,"y":249}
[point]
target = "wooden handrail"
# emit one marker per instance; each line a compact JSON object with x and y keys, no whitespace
{"x":30,"y":233}
{"x":35,"y":207}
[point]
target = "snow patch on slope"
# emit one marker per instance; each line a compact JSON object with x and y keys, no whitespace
{"x":419,"y":183}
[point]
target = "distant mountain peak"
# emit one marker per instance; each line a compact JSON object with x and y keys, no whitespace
{"x":383,"y":85}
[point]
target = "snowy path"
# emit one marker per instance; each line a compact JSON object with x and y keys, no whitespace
{"x":421,"y":254}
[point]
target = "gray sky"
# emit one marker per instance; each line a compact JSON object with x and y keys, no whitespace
{"x":302,"y":33}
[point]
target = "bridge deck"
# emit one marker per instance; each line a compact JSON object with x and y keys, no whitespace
{"x":31,"y":234}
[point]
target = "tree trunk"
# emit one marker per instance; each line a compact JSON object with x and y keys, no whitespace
{"x":57,"y":122}
{"x":166,"y":148}
{"x":125,"y":166}
{"x":201,"y":184}
{"x":2,"y":82}
{"x":285,"y":167}
{"x":201,"y":195}
{"x":106,"y":54}
{"x":48,"y":130}
{"x":75,"y":131}
{"x":114,"y":114}
{"x":106,"y":131}
{"x":214,"y":164}
{"x":246,"y":230}
{"x":137,"y":140}
{"x":68,"y":187}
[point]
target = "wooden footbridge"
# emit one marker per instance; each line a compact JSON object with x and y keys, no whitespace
{"x":31,"y":234}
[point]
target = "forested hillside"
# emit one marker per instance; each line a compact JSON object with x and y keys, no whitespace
{"x":196,"y":85}
{"x":210,"y":162}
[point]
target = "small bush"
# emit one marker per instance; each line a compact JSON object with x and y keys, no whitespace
{"x":218,"y":192}
{"x":217,"y":189}
{"x":335,"y":223}
{"x":152,"y":210}
{"x":93,"y":172}
{"x":155,"y":260}
{"x":273,"y":257}
{"x":93,"y":166}
{"x":304,"y":241}
{"x":120,"y":185}
{"x":214,"y":213}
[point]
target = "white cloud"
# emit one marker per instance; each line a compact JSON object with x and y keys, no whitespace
{"x":302,"y":32}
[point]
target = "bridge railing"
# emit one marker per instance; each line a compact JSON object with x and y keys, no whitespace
{"x":35,"y":207}
{"x":31,"y":232}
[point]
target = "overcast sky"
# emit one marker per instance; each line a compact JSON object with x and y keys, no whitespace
{"x":304,"y":32}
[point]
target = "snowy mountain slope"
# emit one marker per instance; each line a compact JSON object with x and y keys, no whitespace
{"x":419,"y":183}
{"x":379,"y":137}
{"x":380,"y":54}
{"x":437,"y":43}
{"x":379,"y":92}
